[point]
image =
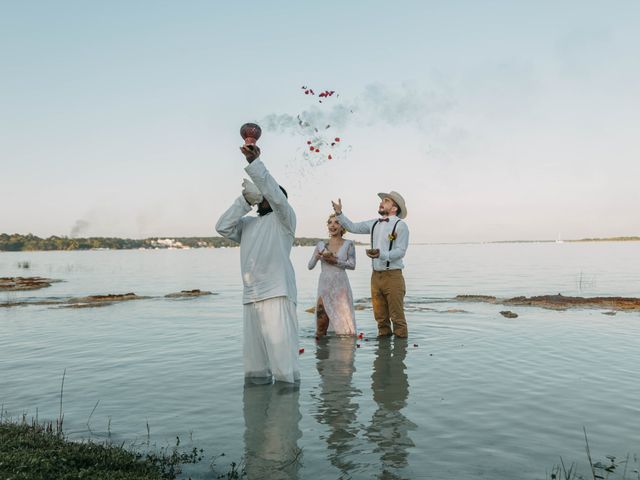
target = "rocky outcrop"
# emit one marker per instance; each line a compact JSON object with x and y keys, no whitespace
{"x":560,"y":302}
{"x":101,"y":300}
{"x":15,"y":284}
{"x":188,"y":294}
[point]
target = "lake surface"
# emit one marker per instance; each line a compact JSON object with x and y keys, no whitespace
{"x":471,"y":394}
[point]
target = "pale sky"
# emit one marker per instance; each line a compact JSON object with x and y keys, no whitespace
{"x":496,"y":120}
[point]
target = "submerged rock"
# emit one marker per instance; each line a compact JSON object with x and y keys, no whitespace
{"x":356,"y":306}
{"x":508,"y":314}
{"x":101,"y":300}
{"x":188,"y":294}
{"x":476,"y":298}
{"x":14,"y":284}
{"x":22,"y":303}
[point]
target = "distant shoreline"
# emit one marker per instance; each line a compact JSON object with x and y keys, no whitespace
{"x":31,"y":243}
{"x":580,"y":240}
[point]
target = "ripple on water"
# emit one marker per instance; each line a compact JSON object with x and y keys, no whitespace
{"x":480,"y":395}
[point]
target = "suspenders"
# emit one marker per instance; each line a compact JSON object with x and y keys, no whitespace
{"x":393,"y":234}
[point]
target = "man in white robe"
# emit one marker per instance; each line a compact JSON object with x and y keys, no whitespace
{"x":270,"y":295}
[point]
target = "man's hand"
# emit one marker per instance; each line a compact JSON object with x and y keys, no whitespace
{"x":250,"y":152}
{"x":373,"y":252}
{"x":337,"y":207}
{"x":251,"y":193}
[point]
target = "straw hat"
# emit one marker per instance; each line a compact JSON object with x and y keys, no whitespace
{"x":396,"y":197}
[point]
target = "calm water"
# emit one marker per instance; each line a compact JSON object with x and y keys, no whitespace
{"x":472,"y":394}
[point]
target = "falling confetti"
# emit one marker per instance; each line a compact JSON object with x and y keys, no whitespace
{"x":321,"y":139}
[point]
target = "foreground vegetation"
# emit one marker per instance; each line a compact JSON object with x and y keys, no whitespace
{"x":30,"y":451}
{"x":21,"y":243}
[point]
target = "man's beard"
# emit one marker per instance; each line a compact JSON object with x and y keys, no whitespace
{"x":264,"y":210}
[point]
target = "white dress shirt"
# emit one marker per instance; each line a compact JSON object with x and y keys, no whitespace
{"x":265,"y":241}
{"x":381,"y":240}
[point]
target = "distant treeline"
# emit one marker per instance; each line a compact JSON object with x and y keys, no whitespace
{"x":610,"y":239}
{"x":20,"y":243}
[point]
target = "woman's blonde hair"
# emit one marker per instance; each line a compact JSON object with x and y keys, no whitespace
{"x":342,"y":229}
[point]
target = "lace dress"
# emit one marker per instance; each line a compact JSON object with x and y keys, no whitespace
{"x":334,"y":288}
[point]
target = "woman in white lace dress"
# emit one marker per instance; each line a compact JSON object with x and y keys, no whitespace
{"x":334,"y":307}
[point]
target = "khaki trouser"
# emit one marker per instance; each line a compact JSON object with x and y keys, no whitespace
{"x":387,"y":297}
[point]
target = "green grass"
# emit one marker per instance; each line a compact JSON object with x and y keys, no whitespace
{"x":30,"y":451}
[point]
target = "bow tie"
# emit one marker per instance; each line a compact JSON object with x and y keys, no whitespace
{"x":383,"y":219}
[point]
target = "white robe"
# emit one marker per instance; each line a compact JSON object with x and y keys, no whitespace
{"x":265,"y":242}
{"x":270,"y":295}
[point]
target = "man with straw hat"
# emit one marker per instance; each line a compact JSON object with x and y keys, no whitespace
{"x":389,"y":242}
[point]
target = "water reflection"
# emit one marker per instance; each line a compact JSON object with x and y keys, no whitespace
{"x":272,"y":417}
{"x":389,"y":428}
{"x":336,"y":406}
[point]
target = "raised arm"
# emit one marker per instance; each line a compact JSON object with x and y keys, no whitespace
{"x":271,"y":191}
{"x":355,"y":227}
{"x":350,"y":262}
{"x":359,"y":227}
{"x":400,"y":244}
{"x":230,"y":223}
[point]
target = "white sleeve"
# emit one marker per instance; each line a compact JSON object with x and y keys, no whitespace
{"x":230,"y":223}
{"x":355,"y":227}
{"x":271,"y":191}
{"x":350,"y":262}
{"x":314,"y":258}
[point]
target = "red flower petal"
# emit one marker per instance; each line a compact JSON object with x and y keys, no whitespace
{"x":312,"y":148}
{"x":329,"y":157}
{"x":301,"y":351}
{"x":317,"y":149}
{"x":337,"y":139}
